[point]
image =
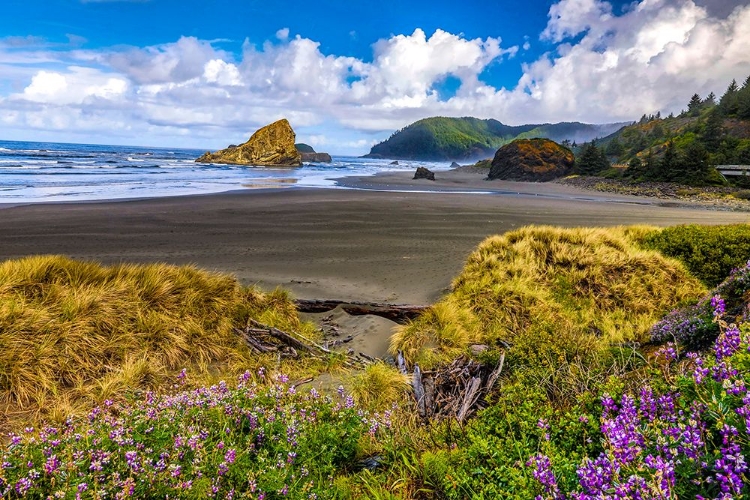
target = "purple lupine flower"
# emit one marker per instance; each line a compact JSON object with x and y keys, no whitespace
{"x":543,"y":473}
{"x":717,"y":304}
{"x":51,"y":465}
{"x":23,"y":485}
{"x":730,"y":466}
{"x":728,"y":343}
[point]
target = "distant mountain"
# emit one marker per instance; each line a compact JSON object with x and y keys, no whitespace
{"x":445,"y":139}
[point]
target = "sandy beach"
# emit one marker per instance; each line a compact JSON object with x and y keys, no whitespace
{"x":367,"y":244}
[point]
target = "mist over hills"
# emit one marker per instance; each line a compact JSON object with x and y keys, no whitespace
{"x":446,"y":139}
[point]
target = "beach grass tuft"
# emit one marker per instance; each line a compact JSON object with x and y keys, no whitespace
{"x":74,"y":334}
{"x":559,"y":297}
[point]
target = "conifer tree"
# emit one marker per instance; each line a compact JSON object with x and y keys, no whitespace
{"x":713,"y":130}
{"x":669,"y":165}
{"x":728,"y":102}
{"x":694,"y":163}
{"x":635,"y":168}
{"x":588,"y":162}
{"x":694,"y":106}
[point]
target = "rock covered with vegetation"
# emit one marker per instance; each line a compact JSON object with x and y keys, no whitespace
{"x":536,"y":160}
{"x":272,"y":145}
{"x":441,"y":138}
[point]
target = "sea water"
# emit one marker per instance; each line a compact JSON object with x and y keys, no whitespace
{"x":52,"y":172}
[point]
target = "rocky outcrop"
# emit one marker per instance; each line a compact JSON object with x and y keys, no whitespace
{"x":424,"y":173}
{"x":536,"y":160}
{"x":316,"y":157}
{"x":272,"y":145}
{"x":454,"y":165}
{"x":310,"y":156}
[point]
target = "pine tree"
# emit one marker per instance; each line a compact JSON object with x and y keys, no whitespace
{"x":635,"y":168}
{"x":713,"y":131}
{"x":728,"y":102}
{"x":694,"y":106}
{"x":743,"y":100}
{"x":694,"y":163}
{"x":649,"y":166}
{"x":669,"y":165}
{"x":588,"y":162}
{"x":710,"y":100}
{"x":615,"y":148}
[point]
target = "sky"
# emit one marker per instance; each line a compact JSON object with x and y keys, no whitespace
{"x":347,"y":74}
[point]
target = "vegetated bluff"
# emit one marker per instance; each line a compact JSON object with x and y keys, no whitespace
{"x":445,"y":139}
{"x":537,"y":160}
{"x":272,"y":145}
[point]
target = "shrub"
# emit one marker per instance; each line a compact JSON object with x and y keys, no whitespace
{"x":709,"y":252}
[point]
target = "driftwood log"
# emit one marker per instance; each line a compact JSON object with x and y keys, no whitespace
{"x":399,"y":313}
{"x":454,"y":391}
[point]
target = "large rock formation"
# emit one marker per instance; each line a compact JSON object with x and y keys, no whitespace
{"x":272,"y":145}
{"x":537,"y":160}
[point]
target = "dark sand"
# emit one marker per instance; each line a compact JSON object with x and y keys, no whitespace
{"x":327,"y":243}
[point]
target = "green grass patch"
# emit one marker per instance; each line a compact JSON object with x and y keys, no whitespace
{"x":709,"y":252}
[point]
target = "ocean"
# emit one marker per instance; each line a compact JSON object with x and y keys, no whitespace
{"x":53,"y":172}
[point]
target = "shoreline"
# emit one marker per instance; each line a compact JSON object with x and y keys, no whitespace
{"x":345,"y":244}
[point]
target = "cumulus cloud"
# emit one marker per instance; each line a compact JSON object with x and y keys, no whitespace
{"x":603,"y":66}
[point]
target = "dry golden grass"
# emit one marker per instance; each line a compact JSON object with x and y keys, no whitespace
{"x":73,"y":334}
{"x":559,"y":296}
{"x":379,"y":385}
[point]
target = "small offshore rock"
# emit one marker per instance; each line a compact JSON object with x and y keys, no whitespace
{"x":424,"y":173}
{"x":394,"y":162}
{"x":316,"y":157}
{"x":454,"y":165}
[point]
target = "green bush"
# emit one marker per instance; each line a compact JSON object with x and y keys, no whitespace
{"x":709,"y":252}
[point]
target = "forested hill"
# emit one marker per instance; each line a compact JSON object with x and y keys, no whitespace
{"x":441,"y":138}
{"x":684,"y":148}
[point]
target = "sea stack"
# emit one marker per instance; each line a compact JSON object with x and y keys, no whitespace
{"x":536,"y":160}
{"x":272,"y":145}
{"x":310,"y":156}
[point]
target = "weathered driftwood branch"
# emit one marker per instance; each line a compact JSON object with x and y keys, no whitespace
{"x":399,"y":313}
{"x":456,"y":390}
{"x":416,"y":383}
{"x":401,"y":363}
{"x":470,"y":397}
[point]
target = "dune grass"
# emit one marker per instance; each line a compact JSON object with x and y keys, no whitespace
{"x":564,"y":299}
{"x":73,"y":334}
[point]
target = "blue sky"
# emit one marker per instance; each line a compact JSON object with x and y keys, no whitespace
{"x":203,"y":74}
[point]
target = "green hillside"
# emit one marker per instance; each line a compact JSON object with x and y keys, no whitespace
{"x":441,"y":138}
{"x":686,"y":148}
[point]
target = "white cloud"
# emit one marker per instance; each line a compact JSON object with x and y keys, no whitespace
{"x":604,"y":67}
{"x":571,"y":17}
{"x":73,"y":87}
{"x":283,"y":34}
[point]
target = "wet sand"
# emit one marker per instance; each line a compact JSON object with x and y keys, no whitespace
{"x":366,"y":245}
